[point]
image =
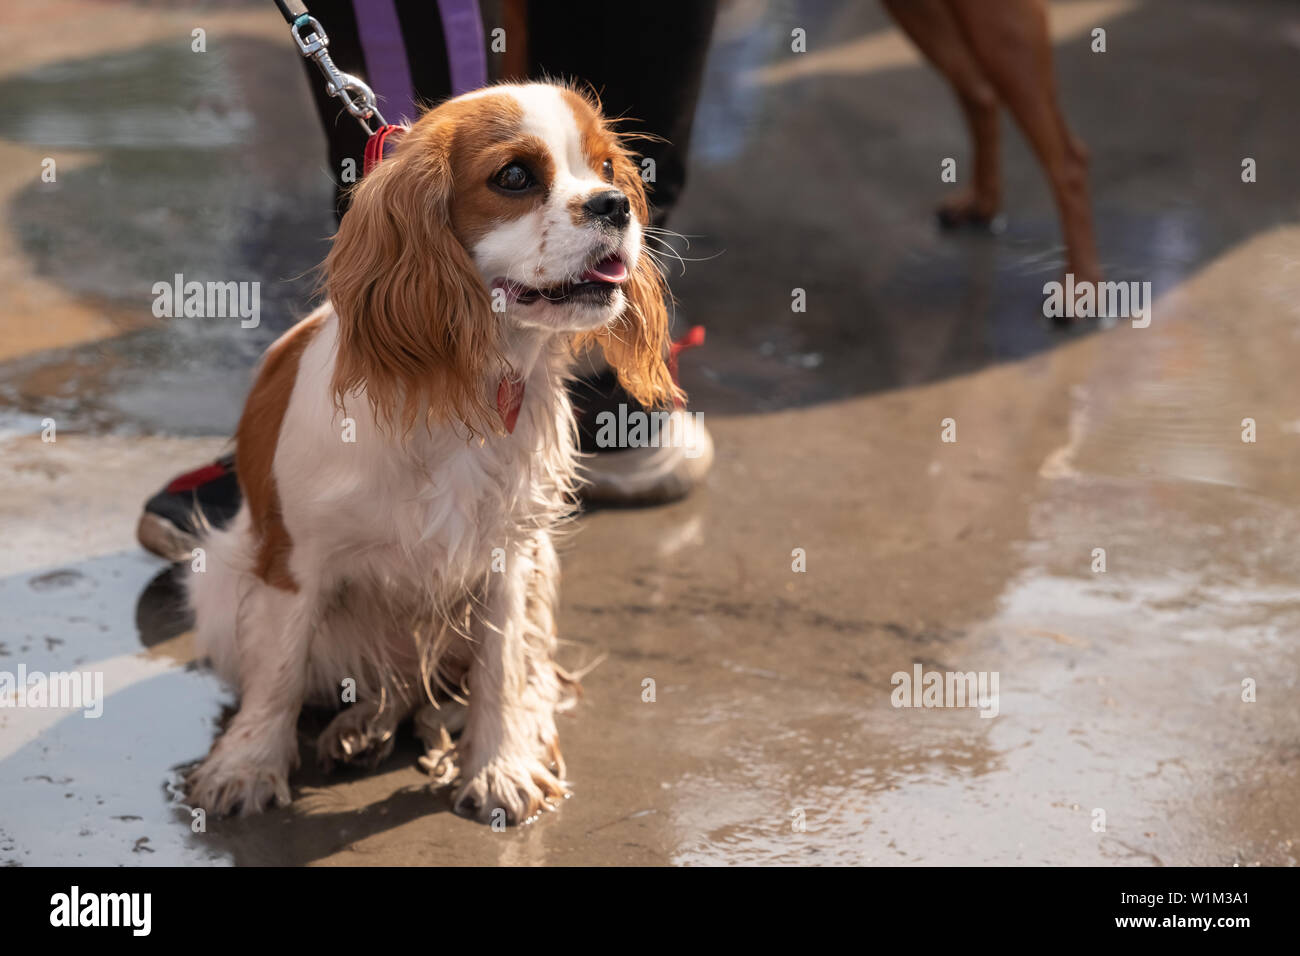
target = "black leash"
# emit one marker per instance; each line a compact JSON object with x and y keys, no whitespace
{"x":312,"y":43}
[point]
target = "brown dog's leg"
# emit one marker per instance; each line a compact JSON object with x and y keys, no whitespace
{"x":936,"y":32}
{"x":1011,"y":41}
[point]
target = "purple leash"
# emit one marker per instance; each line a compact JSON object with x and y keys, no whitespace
{"x":462,"y":26}
{"x":384,"y":50}
{"x":379,"y":31}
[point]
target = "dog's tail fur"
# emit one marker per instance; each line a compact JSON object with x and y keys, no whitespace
{"x":215,"y":591}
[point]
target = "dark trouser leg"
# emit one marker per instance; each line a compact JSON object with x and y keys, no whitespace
{"x":644,"y":66}
{"x":426,"y":64}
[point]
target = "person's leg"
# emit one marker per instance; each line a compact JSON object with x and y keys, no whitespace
{"x":936,"y":32}
{"x":398,"y":48}
{"x":1012,"y":43}
{"x":652,"y":82}
{"x":652,"y":86}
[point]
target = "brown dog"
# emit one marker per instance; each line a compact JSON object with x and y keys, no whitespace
{"x":996,"y":52}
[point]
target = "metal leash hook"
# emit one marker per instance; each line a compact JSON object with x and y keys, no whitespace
{"x":356,"y":95}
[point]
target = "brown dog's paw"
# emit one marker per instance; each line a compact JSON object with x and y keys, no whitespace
{"x":965,"y":210}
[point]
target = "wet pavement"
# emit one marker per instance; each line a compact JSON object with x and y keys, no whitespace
{"x":771,"y":738}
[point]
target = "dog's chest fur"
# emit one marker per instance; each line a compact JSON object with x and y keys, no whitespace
{"x":430,"y":515}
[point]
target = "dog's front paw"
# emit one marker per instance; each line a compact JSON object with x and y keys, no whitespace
{"x":364,"y":733}
{"x":435,"y":726}
{"x":224,"y":783}
{"x":510,"y":790}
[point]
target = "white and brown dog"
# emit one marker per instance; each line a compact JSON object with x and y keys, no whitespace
{"x":407,"y":450}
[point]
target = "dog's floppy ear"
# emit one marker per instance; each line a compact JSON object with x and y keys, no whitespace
{"x":416,"y":330}
{"x":636,"y":343}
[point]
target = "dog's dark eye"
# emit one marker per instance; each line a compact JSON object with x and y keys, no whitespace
{"x":608,"y":170}
{"x":514,"y":178}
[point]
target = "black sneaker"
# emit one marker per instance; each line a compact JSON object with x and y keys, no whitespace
{"x":207,"y":497}
{"x":645,"y":475}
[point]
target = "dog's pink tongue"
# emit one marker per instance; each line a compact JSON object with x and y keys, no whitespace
{"x":606,"y":270}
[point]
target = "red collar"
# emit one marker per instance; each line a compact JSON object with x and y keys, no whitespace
{"x":379,"y":144}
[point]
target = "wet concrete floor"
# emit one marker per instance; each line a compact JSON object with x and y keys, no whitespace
{"x":772,"y":737}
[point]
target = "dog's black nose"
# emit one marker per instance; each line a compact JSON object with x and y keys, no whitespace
{"x":611,"y":206}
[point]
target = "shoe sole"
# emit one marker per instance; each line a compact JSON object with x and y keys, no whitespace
{"x":164,"y":539}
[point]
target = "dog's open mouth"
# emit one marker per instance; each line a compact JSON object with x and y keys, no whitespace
{"x":597,"y":284}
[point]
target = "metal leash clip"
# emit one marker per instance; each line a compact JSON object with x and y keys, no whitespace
{"x":355,"y":94}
